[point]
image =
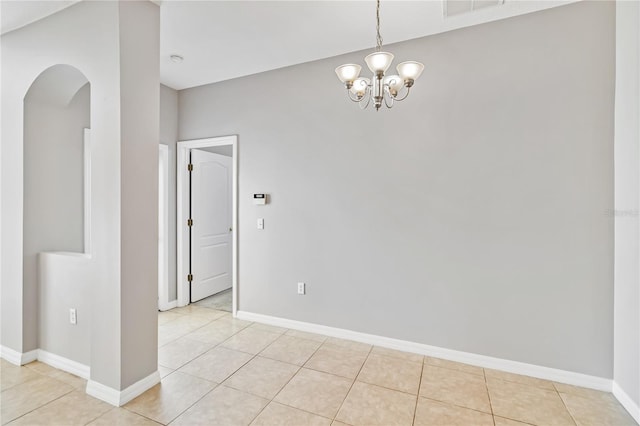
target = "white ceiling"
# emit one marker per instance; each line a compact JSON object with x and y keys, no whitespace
{"x":16,"y":14}
{"x":220,"y":40}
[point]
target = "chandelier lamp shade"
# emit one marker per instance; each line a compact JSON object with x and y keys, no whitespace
{"x":381,"y":88}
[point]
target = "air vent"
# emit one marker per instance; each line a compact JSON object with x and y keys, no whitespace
{"x":458,"y":7}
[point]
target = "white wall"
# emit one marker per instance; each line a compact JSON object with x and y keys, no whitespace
{"x":627,"y":206}
{"x":472,"y":216}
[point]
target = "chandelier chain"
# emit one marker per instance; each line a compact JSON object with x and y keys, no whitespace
{"x":378,"y":36}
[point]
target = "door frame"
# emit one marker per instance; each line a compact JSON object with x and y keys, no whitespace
{"x":163,"y":222}
{"x":182,"y":210}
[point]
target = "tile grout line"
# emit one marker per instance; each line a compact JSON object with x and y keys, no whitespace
{"x":455,"y":369}
{"x":43,"y":405}
{"x":564,"y":404}
{"x":415,"y":410}
{"x":206,"y":393}
{"x":486,"y":386}
{"x":352,"y":384}
{"x":463,"y":407}
{"x":300,"y":368}
{"x":198,"y":356}
{"x":288,"y":381}
{"x":306,"y":338}
{"x":308,"y":368}
{"x":187,"y":333}
{"x":215,"y":387}
{"x":108,"y":411}
{"x":97,"y":417}
{"x":362,"y":381}
{"x":137,"y":414}
{"x":253,"y":394}
{"x":180,"y":413}
{"x":26,"y":381}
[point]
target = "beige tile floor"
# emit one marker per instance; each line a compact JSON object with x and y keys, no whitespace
{"x":222,"y":371}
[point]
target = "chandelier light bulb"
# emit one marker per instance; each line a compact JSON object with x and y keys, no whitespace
{"x":360,"y":86}
{"x":347,"y":73}
{"x":394,"y":82}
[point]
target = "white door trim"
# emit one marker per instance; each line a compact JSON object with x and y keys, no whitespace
{"x":182,"y":209}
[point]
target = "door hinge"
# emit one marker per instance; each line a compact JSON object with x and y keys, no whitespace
{"x":190,"y":222}
{"x":189,"y":277}
{"x":190,"y":167}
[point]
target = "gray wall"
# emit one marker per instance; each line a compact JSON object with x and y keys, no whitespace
{"x":226,"y":150}
{"x":169,"y":137}
{"x":116,"y":46}
{"x":470,"y":217}
{"x":53,"y":183}
{"x":139,"y":24}
{"x":627,"y":202}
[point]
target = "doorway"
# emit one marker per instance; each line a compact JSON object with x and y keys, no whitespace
{"x":204,"y":262}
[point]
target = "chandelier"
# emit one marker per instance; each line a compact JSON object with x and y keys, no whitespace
{"x":380,"y":88}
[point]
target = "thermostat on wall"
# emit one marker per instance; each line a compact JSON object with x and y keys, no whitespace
{"x":259,"y":198}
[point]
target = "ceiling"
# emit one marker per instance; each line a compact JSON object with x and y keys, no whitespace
{"x":221,"y":40}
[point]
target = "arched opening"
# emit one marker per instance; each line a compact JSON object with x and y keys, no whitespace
{"x":56,"y":209}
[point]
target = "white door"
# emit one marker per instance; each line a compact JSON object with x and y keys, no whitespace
{"x":211,"y":181}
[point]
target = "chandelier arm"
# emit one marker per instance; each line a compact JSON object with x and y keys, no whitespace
{"x":368,"y":101}
{"x":354,"y":98}
{"x":388,"y":100}
{"x":405,"y":94}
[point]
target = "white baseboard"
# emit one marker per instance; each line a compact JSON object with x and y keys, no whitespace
{"x":562,"y":376}
{"x":139,"y":387}
{"x":18,"y":358}
{"x":64,"y":364}
{"x":104,"y":393}
{"x":30,"y":356}
{"x":626,"y":401}
{"x":166,"y":306}
{"x":56,"y":361}
{"x":98,"y":390}
{"x":119,"y":398}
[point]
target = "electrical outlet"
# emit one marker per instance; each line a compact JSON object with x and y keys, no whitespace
{"x":301,"y":289}
{"x":73,"y":319}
